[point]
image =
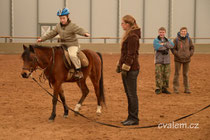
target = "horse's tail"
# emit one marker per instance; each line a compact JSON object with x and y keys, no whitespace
{"x":101,"y":82}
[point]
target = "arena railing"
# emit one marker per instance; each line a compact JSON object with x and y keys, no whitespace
{"x":10,"y":38}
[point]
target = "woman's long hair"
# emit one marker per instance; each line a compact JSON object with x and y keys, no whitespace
{"x":133,"y":25}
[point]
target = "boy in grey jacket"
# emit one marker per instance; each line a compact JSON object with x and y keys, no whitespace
{"x":162,"y":61}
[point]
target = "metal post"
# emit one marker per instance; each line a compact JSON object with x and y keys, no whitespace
{"x":143,"y":20}
{"x":195,"y":12}
{"x":91,"y":21}
{"x":11,"y":19}
{"x":64,"y":2}
{"x":37,"y":19}
{"x":170,"y":17}
{"x":118,"y":19}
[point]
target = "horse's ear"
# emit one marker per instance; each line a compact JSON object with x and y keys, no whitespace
{"x":31,"y":48}
{"x":24,"y":47}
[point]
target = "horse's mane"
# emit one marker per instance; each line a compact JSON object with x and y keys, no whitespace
{"x":41,"y":46}
{"x":50,"y":47}
{"x":26,"y":53}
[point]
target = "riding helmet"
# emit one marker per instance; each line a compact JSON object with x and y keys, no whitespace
{"x":63,"y":12}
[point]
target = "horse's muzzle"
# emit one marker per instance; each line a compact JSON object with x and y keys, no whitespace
{"x":25,"y":75}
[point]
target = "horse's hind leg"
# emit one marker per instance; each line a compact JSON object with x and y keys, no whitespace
{"x":95,"y":82}
{"x":62,"y":97}
{"x":82,"y":85}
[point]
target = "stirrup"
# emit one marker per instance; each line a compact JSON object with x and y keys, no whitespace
{"x":78,"y":74}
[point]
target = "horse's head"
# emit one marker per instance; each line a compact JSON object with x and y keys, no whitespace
{"x":29,"y":61}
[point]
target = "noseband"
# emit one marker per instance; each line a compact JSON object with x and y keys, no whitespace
{"x":31,"y":69}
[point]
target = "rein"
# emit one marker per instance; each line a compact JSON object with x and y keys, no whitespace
{"x":53,"y":63}
{"x":111,"y":125}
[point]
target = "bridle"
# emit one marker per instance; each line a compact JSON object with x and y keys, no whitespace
{"x":32,"y":69}
{"x":37,"y":63}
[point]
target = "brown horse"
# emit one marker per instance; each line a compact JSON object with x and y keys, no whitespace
{"x":50,"y":59}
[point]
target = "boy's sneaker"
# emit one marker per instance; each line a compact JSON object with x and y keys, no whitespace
{"x":187,"y":91}
{"x":176,"y":91}
{"x":166,"y":91}
{"x":157,"y":91}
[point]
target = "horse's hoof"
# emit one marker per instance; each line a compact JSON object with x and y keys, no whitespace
{"x":66,"y":113}
{"x":76,"y":113}
{"x":52,"y":117}
{"x":50,"y":120}
{"x":98,"y":112}
{"x":77,"y":107}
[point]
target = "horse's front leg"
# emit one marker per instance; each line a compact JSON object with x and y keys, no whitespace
{"x":54,"y":102}
{"x":62,"y":97}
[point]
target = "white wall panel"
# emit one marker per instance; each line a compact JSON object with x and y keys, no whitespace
{"x":80,"y":14}
{"x":48,"y":10}
{"x":203,"y":20}
{"x":5,"y":18}
{"x":25,"y":19}
{"x":133,"y":8}
{"x":104,"y":16}
{"x":183,"y":16}
{"x":156,"y":16}
{"x":104,"y":19}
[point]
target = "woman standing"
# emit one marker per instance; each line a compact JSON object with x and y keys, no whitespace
{"x":67,"y":32}
{"x":129,"y":66}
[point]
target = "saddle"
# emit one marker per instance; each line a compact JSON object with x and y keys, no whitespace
{"x":70,"y":66}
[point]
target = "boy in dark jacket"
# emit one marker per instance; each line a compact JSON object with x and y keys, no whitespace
{"x":183,"y":51}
